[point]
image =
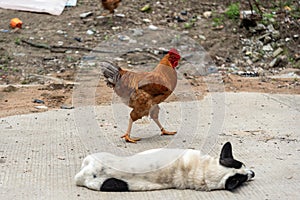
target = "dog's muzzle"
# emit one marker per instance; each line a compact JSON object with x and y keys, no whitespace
{"x":250,"y":173}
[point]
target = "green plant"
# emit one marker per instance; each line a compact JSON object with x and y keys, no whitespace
{"x":268,"y":15}
{"x":233,"y":11}
{"x":217,"y":21}
{"x":267,"y":18}
{"x":18,"y":41}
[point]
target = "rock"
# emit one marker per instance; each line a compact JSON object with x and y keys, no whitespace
{"x":275,"y":35}
{"x":287,"y":39}
{"x":66,"y":107}
{"x":279,"y":62}
{"x":146,"y":8}
{"x":116,"y":28}
{"x":85,"y":15}
{"x":100,"y":17}
{"x":207,"y":14}
{"x":249,"y":62}
{"x":260,"y":27}
{"x":120,"y":15}
{"x":78,"y":39}
{"x":123,"y":38}
{"x":89,"y":32}
{"x":255,"y":57}
{"x":270,"y":28}
{"x":248,"y":53}
{"x":147,"y":20}
{"x":153,"y":28}
{"x":38,"y":101}
{"x":267,"y":39}
{"x":277,"y":52}
{"x":138,"y":32}
{"x":262,"y":37}
{"x":179,"y":19}
{"x":41,"y":107}
{"x":61,"y":32}
{"x":273,"y":62}
{"x":184,"y":12}
{"x":10,"y":88}
{"x":202,"y":37}
{"x":267,"y":47}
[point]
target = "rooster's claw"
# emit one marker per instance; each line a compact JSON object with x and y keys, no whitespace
{"x":165,"y":132}
{"x":130,"y":140}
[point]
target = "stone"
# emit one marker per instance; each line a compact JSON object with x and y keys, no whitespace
{"x":120,"y":15}
{"x":184,"y":12}
{"x":153,"y":28}
{"x":274,"y":62}
{"x":202,"y":37}
{"x":267,"y":39}
{"x":260,"y":27}
{"x":123,"y":38}
{"x":248,"y":53}
{"x":249,"y":62}
{"x":89,"y":32}
{"x":138,"y":32}
{"x":41,"y":107}
{"x":207,"y":14}
{"x":147,"y":20}
{"x":275,"y":35}
{"x":87,"y":14}
{"x":270,"y":28}
{"x":277,"y":52}
{"x":267,"y":47}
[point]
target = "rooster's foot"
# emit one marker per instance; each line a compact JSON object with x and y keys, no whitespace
{"x":130,"y":140}
{"x":165,"y":132}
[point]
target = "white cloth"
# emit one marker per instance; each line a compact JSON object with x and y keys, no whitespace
{"x":54,"y":7}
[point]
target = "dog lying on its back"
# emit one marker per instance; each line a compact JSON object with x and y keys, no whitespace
{"x":163,"y":169}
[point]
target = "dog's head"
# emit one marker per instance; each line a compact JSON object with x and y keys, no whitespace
{"x":235,"y":171}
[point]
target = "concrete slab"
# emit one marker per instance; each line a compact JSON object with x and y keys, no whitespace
{"x":41,"y":153}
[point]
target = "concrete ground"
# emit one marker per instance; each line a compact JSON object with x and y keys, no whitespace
{"x":41,"y":153}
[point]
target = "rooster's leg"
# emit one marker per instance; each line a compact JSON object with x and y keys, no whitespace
{"x":154,"y":115}
{"x":127,"y":134}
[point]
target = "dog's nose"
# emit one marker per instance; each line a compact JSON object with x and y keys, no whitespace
{"x":252,"y":174}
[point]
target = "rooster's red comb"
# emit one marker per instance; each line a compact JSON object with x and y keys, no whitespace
{"x":174,"y":51}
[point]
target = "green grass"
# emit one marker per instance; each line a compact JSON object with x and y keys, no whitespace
{"x":233,"y":11}
{"x":218,"y":20}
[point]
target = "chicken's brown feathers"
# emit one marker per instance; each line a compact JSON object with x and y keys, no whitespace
{"x":142,"y":90}
{"x":110,"y":5}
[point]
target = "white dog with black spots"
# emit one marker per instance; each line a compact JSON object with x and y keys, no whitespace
{"x":158,"y":169}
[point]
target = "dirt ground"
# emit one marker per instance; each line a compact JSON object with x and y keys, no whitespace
{"x":28,"y":73}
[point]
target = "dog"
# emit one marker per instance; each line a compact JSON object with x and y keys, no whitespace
{"x":158,"y":169}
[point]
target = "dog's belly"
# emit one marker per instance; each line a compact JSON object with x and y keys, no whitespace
{"x":149,"y":170}
{"x":143,"y":162}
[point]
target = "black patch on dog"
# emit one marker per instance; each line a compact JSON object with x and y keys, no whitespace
{"x":235,"y":181}
{"x":226,"y":157}
{"x":114,"y":185}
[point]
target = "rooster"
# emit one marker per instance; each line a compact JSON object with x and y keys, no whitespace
{"x":143,"y":91}
{"x":110,"y":5}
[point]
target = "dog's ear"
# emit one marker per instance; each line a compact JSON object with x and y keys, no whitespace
{"x":235,"y":181}
{"x":226,"y":157}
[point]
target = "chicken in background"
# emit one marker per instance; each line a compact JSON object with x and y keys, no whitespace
{"x":143,"y":91}
{"x":110,"y":5}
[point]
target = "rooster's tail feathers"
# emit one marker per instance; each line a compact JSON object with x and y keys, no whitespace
{"x":111,"y":72}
